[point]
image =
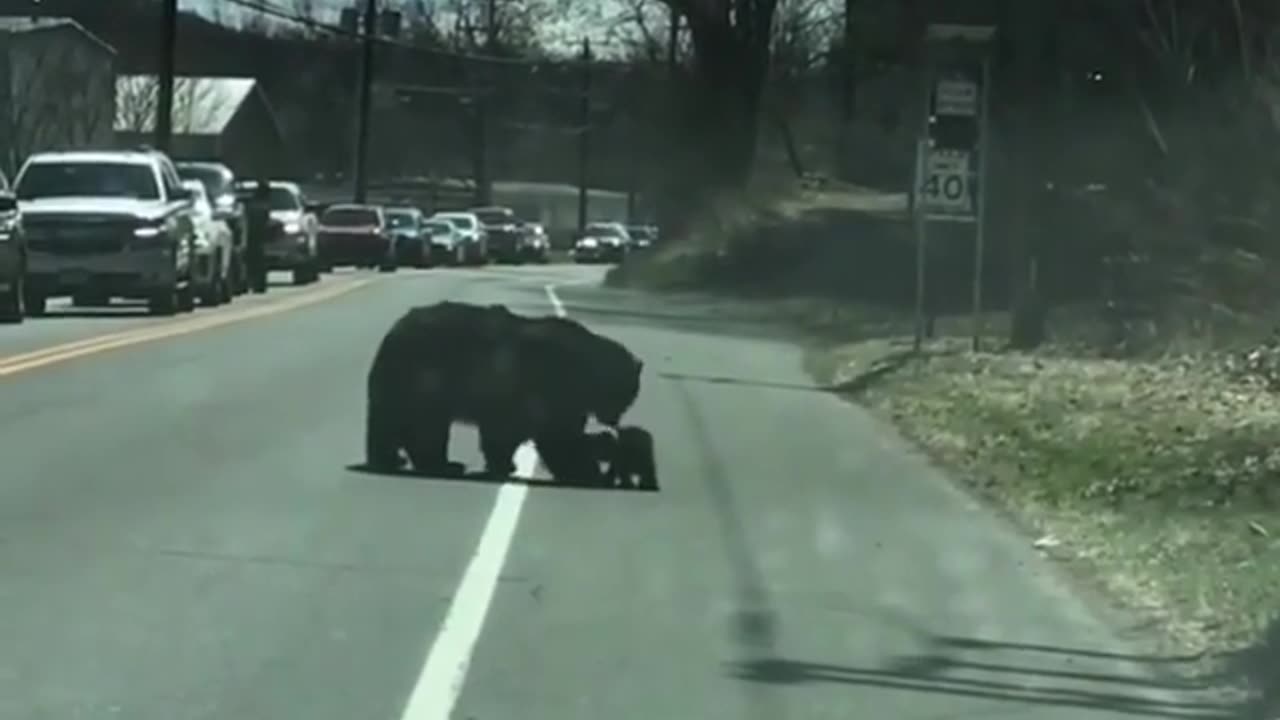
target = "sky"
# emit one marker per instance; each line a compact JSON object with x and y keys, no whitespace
{"x":573,"y":19}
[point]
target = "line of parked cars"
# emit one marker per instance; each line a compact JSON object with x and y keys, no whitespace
{"x":611,"y":242}
{"x":387,"y":237}
{"x":95,"y":225}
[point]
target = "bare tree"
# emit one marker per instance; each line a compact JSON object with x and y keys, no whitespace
{"x":195,"y":102}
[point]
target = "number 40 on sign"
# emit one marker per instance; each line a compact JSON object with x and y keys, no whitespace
{"x":946,"y":190}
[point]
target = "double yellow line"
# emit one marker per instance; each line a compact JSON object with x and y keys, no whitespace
{"x":23,"y":362}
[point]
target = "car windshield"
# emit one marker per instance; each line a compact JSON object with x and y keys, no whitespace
{"x":213,"y":178}
{"x":499,"y":216}
{"x":401,"y":219}
{"x":462,"y":222}
{"x":88,"y":179}
{"x":639,"y":233}
{"x":604,"y":231}
{"x":349,"y":217}
{"x":438,"y":228}
{"x":280,"y":198}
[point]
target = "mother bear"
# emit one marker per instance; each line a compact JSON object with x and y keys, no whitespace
{"x":515,"y":378}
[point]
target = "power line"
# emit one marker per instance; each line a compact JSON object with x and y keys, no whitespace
{"x":266,"y":8}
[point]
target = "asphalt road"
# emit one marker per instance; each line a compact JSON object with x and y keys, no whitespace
{"x":181,"y":538}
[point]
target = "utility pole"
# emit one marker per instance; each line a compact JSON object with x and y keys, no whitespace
{"x":365,"y":102}
{"x":168,"y":60}
{"x":673,"y":39}
{"x":584,"y":136}
{"x":484,"y":185}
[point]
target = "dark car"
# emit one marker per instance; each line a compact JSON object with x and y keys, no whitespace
{"x":13,"y":255}
{"x":601,"y":243}
{"x":535,"y":245}
{"x":642,"y":236}
{"x":407,"y":228}
{"x":505,"y":231}
{"x":356,"y":235}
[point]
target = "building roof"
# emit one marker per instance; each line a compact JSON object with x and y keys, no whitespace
{"x":22,"y":24}
{"x":201,"y":105}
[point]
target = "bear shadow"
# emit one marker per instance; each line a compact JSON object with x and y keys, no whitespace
{"x":481,"y":478}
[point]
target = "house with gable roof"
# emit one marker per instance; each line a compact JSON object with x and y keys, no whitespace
{"x":225,"y":119}
{"x":56,"y":81}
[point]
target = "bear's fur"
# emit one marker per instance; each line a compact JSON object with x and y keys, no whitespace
{"x":628,"y":455}
{"x":514,"y":377}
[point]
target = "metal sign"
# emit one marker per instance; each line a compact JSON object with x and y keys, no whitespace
{"x":956,"y":97}
{"x":946,"y":189}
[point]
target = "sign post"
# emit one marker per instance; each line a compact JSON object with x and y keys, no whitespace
{"x":950,"y":183}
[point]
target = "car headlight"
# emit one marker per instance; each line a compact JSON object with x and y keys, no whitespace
{"x":147,"y":231}
{"x":292,"y":228}
{"x":8,"y":225}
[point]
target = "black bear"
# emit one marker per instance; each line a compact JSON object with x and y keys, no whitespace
{"x":628,"y":455}
{"x":515,"y":378}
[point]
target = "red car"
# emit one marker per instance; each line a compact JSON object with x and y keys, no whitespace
{"x":356,"y":235}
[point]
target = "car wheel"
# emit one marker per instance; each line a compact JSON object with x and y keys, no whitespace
{"x":164,"y":302}
{"x":186,"y":299}
{"x":228,"y":293}
{"x":34,"y":303}
{"x":12,"y":309}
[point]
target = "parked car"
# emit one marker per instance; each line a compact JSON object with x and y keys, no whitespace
{"x":446,"y":242}
{"x":601,"y":242}
{"x":13,"y":256}
{"x":504,"y":235}
{"x":106,"y":224}
{"x":214,"y":245}
{"x":642,"y":236}
{"x":413,"y":244}
{"x":220,"y":185}
{"x":473,"y":240}
{"x":293,"y":245}
{"x":356,"y":235}
{"x":535,"y":246}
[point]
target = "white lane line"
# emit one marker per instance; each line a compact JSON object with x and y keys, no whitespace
{"x":445,"y":671}
{"x":554,"y":300}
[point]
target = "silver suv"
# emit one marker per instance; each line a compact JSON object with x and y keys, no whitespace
{"x":108,"y":224}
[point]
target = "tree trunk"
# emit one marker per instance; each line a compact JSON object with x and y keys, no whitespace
{"x":729,"y":84}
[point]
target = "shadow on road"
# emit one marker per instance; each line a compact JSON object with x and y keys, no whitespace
{"x":852,"y":386}
{"x":1258,"y":668}
{"x":755,"y":625}
{"x":480,"y":478}
{"x":1022,"y":677}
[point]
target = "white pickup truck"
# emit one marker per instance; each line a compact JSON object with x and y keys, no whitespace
{"x":103,"y":225}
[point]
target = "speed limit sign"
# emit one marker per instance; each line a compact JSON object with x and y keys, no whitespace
{"x":946,"y":185}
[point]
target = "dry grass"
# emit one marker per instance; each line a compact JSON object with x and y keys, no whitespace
{"x":1160,"y":477}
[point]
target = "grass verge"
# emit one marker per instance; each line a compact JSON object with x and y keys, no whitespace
{"x":1157,"y":479}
